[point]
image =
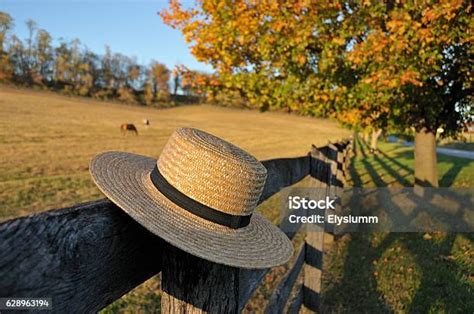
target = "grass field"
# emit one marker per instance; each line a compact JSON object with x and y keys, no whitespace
{"x":402,"y":272}
{"x":393,"y":167}
{"x":47,"y":141}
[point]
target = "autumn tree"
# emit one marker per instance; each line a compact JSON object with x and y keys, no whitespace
{"x":22,"y":56}
{"x":92,"y":60}
{"x":118,"y":70}
{"x":44,"y":56}
{"x":125,"y":73}
{"x":6,"y":24}
{"x":72,"y":70}
{"x":159,"y":76}
{"x":417,"y":58}
{"x":207,"y":87}
{"x":107,"y":76}
{"x":192,"y":82}
{"x":148,"y":96}
{"x":61,"y":64}
{"x":16,"y":58}
{"x":265,"y":51}
{"x":134,"y":74}
{"x":29,"y":58}
{"x":399,"y":64}
{"x":176,"y":79}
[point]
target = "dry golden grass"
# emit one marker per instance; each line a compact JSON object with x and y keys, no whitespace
{"x":47,"y":140}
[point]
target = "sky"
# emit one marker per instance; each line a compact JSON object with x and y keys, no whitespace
{"x":131,"y":27}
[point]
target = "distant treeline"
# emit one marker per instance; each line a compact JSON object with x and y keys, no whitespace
{"x":72,"y":68}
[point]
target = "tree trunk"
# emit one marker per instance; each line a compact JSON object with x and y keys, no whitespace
{"x":374,"y":140}
{"x":155,"y":91}
{"x":355,"y":140}
{"x":426,"y":173}
{"x":176,"y":85}
{"x":366,"y":136}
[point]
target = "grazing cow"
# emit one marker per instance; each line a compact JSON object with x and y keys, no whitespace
{"x":146,"y":122}
{"x":126,"y":127}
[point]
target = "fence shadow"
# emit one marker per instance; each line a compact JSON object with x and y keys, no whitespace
{"x":437,"y":285}
{"x":361,"y":287}
{"x":456,"y":166}
{"x":356,"y":291}
{"x":396,"y":172}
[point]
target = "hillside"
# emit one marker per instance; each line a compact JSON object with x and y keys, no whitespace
{"x":47,"y":140}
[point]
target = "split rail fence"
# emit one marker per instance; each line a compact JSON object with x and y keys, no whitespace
{"x":89,"y":255}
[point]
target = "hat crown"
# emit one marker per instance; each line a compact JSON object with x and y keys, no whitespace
{"x":212,"y":171}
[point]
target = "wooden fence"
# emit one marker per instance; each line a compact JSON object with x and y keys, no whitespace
{"x":87,"y":256}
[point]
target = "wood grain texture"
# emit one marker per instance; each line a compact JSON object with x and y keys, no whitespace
{"x":321,"y":174}
{"x":284,"y":172}
{"x":280,"y":295}
{"x":83,"y":257}
{"x":296,"y":302}
{"x":327,"y":174}
{"x":194,"y":285}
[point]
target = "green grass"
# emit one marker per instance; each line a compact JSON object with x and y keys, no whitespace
{"x":146,"y":298}
{"x":393,"y":167}
{"x":401,"y":272}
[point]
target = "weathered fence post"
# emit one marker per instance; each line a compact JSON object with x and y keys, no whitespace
{"x":339,"y":151}
{"x":194,"y":285}
{"x":334,"y":181}
{"x":346,"y":153}
{"x":315,"y":239}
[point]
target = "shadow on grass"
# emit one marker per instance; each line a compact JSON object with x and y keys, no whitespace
{"x":440,"y":284}
{"x":450,"y":167}
{"x":398,"y":171}
{"x":369,"y":168}
{"x":406,"y":154}
{"x":457,"y":165}
{"x":356,"y":291}
{"x":394,"y":173}
{"x":354,"y":175}
{"x":376,"y":279}
{"x":404,"y":272}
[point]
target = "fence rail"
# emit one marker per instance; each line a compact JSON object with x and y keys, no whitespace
{"x":89,"y":255}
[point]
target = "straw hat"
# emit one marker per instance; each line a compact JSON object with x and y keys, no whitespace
{"x":200,"y":196}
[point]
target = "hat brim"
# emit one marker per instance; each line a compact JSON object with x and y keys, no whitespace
{"x":125,"y":179}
